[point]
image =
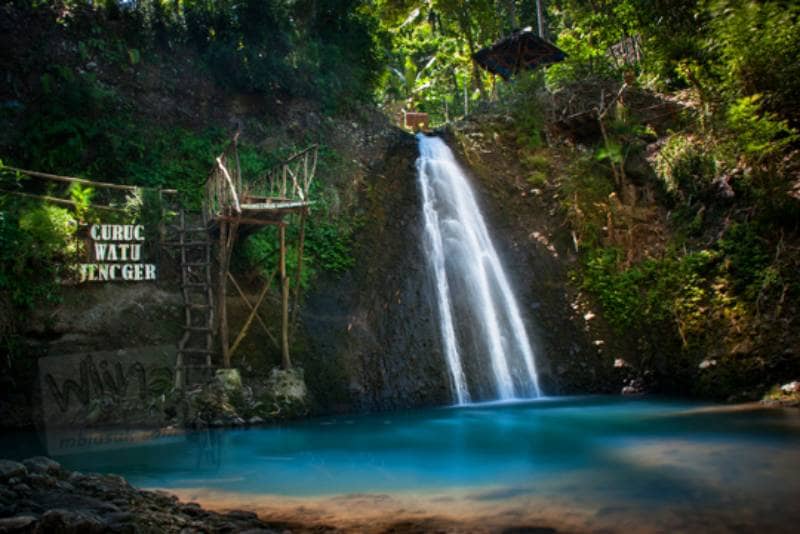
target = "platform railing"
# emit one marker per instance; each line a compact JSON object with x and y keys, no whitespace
{"x":288,"y":181}
{"x":224,"y":184}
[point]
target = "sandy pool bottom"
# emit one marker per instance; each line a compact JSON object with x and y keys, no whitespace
{"x":760,"y":497}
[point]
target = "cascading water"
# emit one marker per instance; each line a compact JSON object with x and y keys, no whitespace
{"x":476,"y":305}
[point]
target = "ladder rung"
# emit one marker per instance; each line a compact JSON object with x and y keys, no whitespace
{"x":197,"y":351}
{"x":195,"y":264}
{"x":193,"y":284}
{"x":187,"y":243}
{"x":198,"y":306}
{"x":197,"y":328}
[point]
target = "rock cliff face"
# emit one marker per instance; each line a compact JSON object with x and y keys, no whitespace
{"x":371,"y":334}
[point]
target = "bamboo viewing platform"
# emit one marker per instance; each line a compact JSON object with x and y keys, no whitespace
{"x":233,"y":207}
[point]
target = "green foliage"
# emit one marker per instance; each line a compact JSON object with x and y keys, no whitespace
{"x":71,"y":124}
{"x":612,"y":153}
{"x":686,"y":293}
{"x":747,"y":260}
{"x":173,"y":158}
{"x":32,"y":240}
{"x":684,"y":166}
{"x":324,"y":49}
{"x":429,"y":47}
{"x":673,"y":290}
{"x":327,"y":247}
{"x":82,"y":198}
{"x":591,"y":32}
{"x":83,"y":128}
{"x":756,"y":47}
{"x":527,"y":112}
{"x":327,"y":50}
{"x":51,"y":228}
{"x":134,"y":56}
{"x":754,"y":133}
{"x":585,"y":192}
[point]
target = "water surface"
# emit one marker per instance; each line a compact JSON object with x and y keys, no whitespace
{"x":576,"y":463}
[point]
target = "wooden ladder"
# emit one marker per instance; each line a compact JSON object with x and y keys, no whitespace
{"x":196,"y":346}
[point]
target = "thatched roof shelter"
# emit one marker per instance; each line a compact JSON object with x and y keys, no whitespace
{"x":520,"y":50}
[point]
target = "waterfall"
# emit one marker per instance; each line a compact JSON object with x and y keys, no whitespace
{"x":476,"y":305}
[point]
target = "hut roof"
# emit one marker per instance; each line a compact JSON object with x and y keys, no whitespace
{"x":520,"y":50}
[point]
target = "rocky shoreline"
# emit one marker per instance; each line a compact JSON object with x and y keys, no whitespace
{"x":38,"y":495}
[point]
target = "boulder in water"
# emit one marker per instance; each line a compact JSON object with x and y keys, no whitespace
{"x":634,"y":387}
{"x":791,"y":387}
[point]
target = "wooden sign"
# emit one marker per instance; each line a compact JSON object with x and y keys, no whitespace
{"x":116,"y":251}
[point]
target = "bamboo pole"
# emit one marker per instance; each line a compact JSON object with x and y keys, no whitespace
{"x":285,"y":361}
{"x":226,"y":231}
{"x":180,"y":377}
{"x":250,"y":305}
{"x":301,"y":244}
{"x":221,"y":311}
{"x":249,"y":321}
{"x":57,"y":200}
{"x":234,"y":195}
{"x":72,"y":179}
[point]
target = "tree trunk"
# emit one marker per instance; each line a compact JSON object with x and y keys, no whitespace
{"x":511,"y":14}
{"x":466,"y":28}
{"x":540,"y":18}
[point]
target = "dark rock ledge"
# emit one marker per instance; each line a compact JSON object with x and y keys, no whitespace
{"x":39,"y":496}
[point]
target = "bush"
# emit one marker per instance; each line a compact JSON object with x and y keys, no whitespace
{"x":754,"y":133}
{"x":685,"y":167}
{"x":671,"y":292}
{"x":747,"y":259}
{"x":585,"y":192}
{"x":34,"y":242}
{"x":758,"y":49}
